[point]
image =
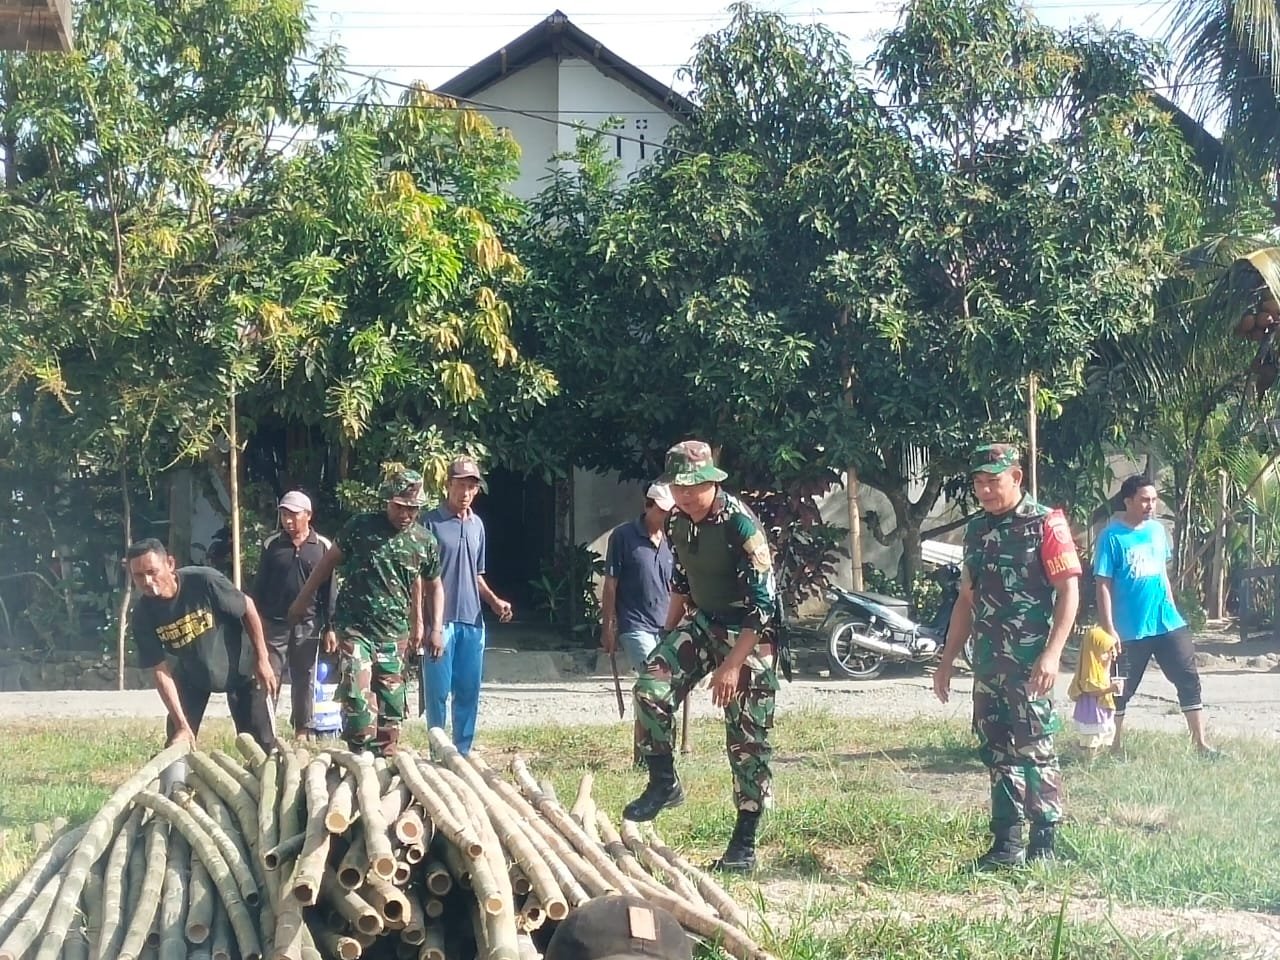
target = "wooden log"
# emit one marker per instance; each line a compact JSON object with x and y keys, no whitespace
{"x":382,"y":861}
{"x":714,"y":894}
{"x":115,"y":886}
{"x":342,"y":805}
{"x":309,"y":870}
{"x":231,"y":853}
{"x":46,"y":864}
{"x":578,"y":879}
{"x":140,"y":922}
{"x":503,"y":821}
{"x":213,"y":856}
{"x":350,"y":906}
{"x":658,"y":865}
{"x":173,"y":899}
{"x":200,"y":900}
{"x":420,"y":777}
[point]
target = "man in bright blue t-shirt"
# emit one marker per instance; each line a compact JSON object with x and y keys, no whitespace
{"x":1135,"y":604}
{"x":455,"y":667}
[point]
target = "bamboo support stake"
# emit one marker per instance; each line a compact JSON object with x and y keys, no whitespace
{"x":212,"y":856}
{"x":284,"y":850}
{"x":502,"y":820}
{"x":657,"y":864}
{"x":114,"y":886}
{"x":382,"y":861}
{"x":420,"y":777}
{"x":354,"y":863}
{"x":46,"y":865}
{"x":309,"y":870}
{"x":227,"y":848}
{"x":342,"y":812}
{"x":578,"y":879}
{"x":714,"y":894}
{"x":350,"y":906}
{"x":143,"y":917}
{"x":200,"y":900}
{"x":251,"y":750}
{"x":173,"y":899}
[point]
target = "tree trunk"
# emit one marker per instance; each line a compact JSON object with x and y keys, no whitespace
{"x":122,"y":621}
{"x":911,"y":559}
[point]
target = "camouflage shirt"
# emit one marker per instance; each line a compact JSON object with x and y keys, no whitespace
{"x":1014,"y":562}
{"x":379,"y":566}
{"x":723,"y":563}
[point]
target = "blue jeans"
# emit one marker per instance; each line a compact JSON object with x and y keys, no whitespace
{"x":638,"y":644}
{"x":457,"y":672}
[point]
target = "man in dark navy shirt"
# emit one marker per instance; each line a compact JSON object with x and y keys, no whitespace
{"x":637,"y":580}
{"x":288,"y":557}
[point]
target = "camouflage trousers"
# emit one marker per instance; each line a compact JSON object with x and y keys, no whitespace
{"x":372,"y":693}
{"x":1015,"y":737}
{"x":681,"y":659}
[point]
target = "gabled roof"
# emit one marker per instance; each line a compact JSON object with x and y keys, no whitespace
{"x":556,"y":36}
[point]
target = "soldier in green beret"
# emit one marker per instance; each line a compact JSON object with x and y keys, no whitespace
{"x":1018,"y":598}
{"x":390,"y":568}
{"x":721,"y":621}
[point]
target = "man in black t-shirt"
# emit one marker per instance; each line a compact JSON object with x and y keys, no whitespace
{"x":200,"y":635}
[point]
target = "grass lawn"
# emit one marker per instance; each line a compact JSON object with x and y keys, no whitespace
{"x":866,"y":851}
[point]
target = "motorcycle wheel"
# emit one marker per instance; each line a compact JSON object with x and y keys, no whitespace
{"x":968,"y":653}
{"x":847,"y":658}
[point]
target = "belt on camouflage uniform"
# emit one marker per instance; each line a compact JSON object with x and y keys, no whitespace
{"x":764,"y":648}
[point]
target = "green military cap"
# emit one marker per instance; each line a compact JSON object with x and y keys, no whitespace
{"x":405,"y":488}
{"x":689,"y":463}
{"x":619,"y":928}
{"x":994,"y":458}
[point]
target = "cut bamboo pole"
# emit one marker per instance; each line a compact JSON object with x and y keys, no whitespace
{"x":342,"y":805}
{"x":578,"y":879}
{"x":220,"y":872}
{"x":658,"y":865}
{"x":287,"y":938}
{"x":395,"y":798}
{"x":623,"y":857}
{"x":143,"y":917}
{"x":437,"y":877}
{"x":354,"y":863}
{"x":76,"y":946}
{"x":337,"y":946}
{"x":173,"y":899}
{"x":114,"y":884}
{"x":390,"y":902}
{"x":350,"y":906}
{"x":489,"y":877}
{"x":584,"y":806}
{"x":520,"y":884}
{"x":433,"y":943}
{"x":532,"y":915}
{"x":26,"y":930}
{"x":414,"y":930}
{"x":291,"y":796}
{"x":268,"y":801}
{"x":402,"y":874}
{"x":382,"y":861}
{"x":309,"y":870}
{"x":408,"y":828}
{"x":502,"y":819}
{"x":227,"y":847}
{"x":232,"y":793}
{"x":414,"y":853}
{"x":200,"y":900}
{"x":420,"y":777}
{"x":433,"y":907}
{"x":714,"y":894}
{"x":91,"y":903}
{"x":246,"y":777}
{"x":283,"y":851}
{"x":251,"y":750}
{"x":46,"y":865}
{"x":220,"y":936}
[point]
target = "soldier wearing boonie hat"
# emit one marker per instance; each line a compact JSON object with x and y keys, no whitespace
{"x":391,"y":568}
{"x":1018,"y":598}
{"x":722,"y":582}
{"x":619,"y":928}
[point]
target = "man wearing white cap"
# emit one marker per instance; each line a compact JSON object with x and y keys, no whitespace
{"x":288,"y":557}
{"x":637,"y":580}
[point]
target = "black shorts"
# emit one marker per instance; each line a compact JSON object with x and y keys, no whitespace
{"x":1176,"y":655}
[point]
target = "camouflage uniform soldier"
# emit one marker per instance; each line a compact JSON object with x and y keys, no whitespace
{"x":1018,"y":598}
{"x":723,"y":582}
{"x":388,"y":561}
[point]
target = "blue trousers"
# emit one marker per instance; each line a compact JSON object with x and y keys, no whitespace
{"x":458,"y":672}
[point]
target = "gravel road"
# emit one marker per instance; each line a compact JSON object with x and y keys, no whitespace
{"x":1239,"y":702}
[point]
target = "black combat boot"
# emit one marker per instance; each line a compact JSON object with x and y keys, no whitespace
{"x":1006,"y":848}
{"x":663,"y":791}
{"x":1041,"y":846}
{"x":740,"y":854}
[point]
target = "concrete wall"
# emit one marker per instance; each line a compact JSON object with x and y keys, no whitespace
{"x":536,"y":90}
{"x":601,"y":502}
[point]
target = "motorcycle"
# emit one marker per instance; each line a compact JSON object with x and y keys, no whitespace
{"x":867,"y":631}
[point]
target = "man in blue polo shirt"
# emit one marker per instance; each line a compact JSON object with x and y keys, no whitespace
{"x":455,"y":666}
{"x":1135,"y":604}
{"x":637,"y":580}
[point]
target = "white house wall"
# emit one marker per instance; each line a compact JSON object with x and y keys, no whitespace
{"x":535,"y":89}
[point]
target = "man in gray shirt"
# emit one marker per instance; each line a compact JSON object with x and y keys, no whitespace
{"x":455,"y":666}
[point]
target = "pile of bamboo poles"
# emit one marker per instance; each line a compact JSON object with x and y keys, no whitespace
{"x":330,"y":855}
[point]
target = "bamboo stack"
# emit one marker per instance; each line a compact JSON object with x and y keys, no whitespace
{"x":330,"y":855}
